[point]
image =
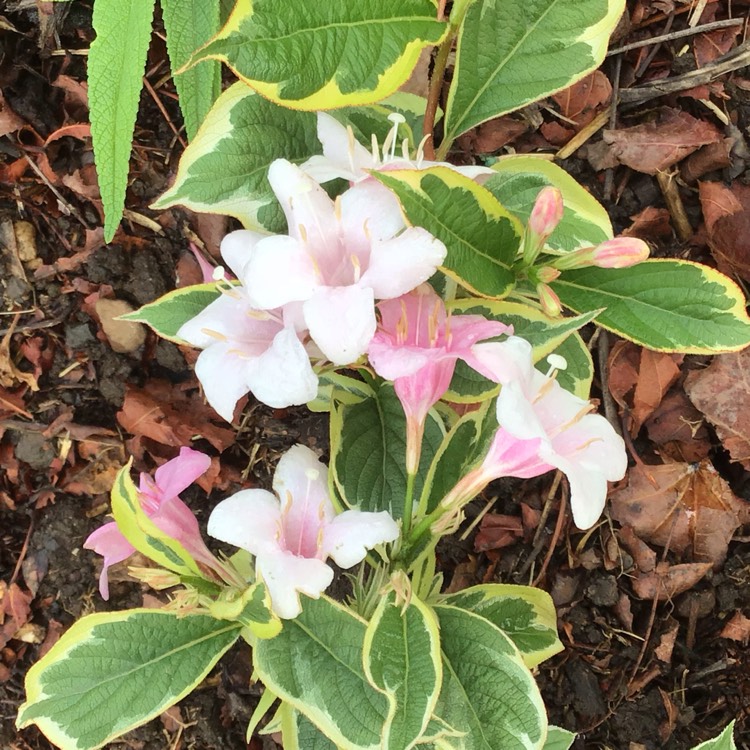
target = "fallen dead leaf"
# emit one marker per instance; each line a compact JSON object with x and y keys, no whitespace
{"x":650,"y":224}
{"x":722,"y":393}
{"x":737,"y":629}
{"x":497,"y":531}
{"x":707,"y":47}
{"x":667,"y":581}
{"x":656,"y":145}
{"x":729,"y":232}
{"x":645,"y":373}
{"x":579,"y":102}
{"x":681,"y":506}
{"x":663,"y":652}
{"x":679,"y":429}
{"x":717,"y":200}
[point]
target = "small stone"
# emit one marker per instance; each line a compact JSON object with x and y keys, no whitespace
{"x":25,"y":241}
{"x":124,"y":336}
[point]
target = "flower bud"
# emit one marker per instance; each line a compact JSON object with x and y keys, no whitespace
{"x":547,"y":212}
{"x":620,"y":252}
{"x":545,"y":274}
{"x":549,"y":300}
{"x":545,"y":216}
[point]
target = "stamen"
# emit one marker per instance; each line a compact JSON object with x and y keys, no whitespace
{"x":402,"y":327}
{"x":405,"y":149}
{"x":214,"y":334}
{"x":218,"y":273}
{"x":337,"y":208}
{"x":375,"y":149}
{"x":352,"y":142}
{"x":557,"y":362}
{"x":588,"y":407}
{"x":420,"y":150}
{"x":392,"y":138}
{"x":302,"y":232}
{"x":357,"y":267}
{"x":432,"y":324}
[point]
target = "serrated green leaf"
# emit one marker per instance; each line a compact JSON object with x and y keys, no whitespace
{"x":116,"y":62}
{"x":559,"y":739}
{"x":315,"y":665}
{"x":665,"y":305}
{"x":224,"y":168}
{"x":368,"y":448}
{"x":488,"y":693}
{"x":143,"y":533}
{"x":525,"y":614}
{"x":114,"y":671}
{"x":513,"y":52}
{"x":402,"y":659}
{"x":299,"y":733}
{"x":517,"y":183}
{"x":170,"y":312}
{"x":725,"y":741}
{"x":326,"y":55}
{"x":251,"y":608}
{"x":482,"y":238}
{"x":544,"y":334}
{"x":579,"y":374}
{"x":188,"y":25}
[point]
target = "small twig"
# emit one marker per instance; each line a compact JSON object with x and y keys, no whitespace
{"x":538,"y":542}
{"x":553,"y":541}
{"x":609,"y":176}
{"x":68,"y":207}
{"x":24,"y":550}
{"x":677,"y":35}
{"x":610,"y":408}
{"x":676,"y":207}
{"x":163,"y":111}
{"x":433,"y":97}
{"x":643,"y":67}
{"x":583,"y":135}
{"x":739,"y":57}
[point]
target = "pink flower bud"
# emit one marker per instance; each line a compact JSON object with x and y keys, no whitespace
{"x":545,"y":274}
{"x":547,"y":212}
{"x":620,"y":252}
{"x":549,"y":300}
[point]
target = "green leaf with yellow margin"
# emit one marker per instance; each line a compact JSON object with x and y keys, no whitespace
{"x":725,"y":741}
{"x":481,"y":236}
{"x":324,"y":55}
{"x":315,"y":665}
{"x":224,"y":168}
{"x":402,"y":660}
{"x":525,"y":614}
{"x":113,"y":671}
{"x":171,"y":311}
{"x":514,"y":52}
{"x":665,"y":305}
{"x":546,"y":335}
{"x":299,"y":733}
{"x":143,"y":533}
{"x":519,"y":179}
{"x":251,"y":608}
{"x":488,"y":693}
{"x":559,"y":739}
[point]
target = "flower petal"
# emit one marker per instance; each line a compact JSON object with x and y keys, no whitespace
{"x":369,"y":212}
{"x":178,"y":474}
{"x":341,"y":321}
{"x":225,"y":317}
{"x":285,"y":574}
{"x":236,"y":248}
{"x":503,"y":361}
{"x":402,"y":263}
{"x":349,"y":535}
{"x":109,"y":542}
{"x":223,"y":377}
{"x":283,"y":376}
{"x":301,"y":482}
{"x":280,"y":270}
{"x":249,"y":519}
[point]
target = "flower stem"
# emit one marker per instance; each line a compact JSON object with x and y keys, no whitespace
{"x":408,"y":504}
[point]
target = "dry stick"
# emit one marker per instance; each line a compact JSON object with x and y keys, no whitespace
{"x":583,"y":135}
{"x":610,"y":408}
{"x":643,"y":67}
{"x":163,"y":111}
{"x":739,"y":57}
{"x":71,"y":209}
{"x":538,"y":542}
{"x":609,"y":176}
{"x":676,"y":207}
{"x":677,"y":35}
{"x":433,"y":98}
{"x":553,"y":541}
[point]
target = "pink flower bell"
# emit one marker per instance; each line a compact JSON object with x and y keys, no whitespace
{"x":417,"y":346}
{"x":160,"y":500}
{"x":293,"y":532}
{"x":544,"y":427}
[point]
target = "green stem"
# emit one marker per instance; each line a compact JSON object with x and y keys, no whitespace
{"x":408,"y":505}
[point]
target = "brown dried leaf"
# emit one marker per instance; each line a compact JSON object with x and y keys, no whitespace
{"x":579,"y":101}
{"x":663,"y":652}
{"x":654,"y":146}
{"x":729,"y":235}
{"x":722,"y":393}
{"x":707,"y":47}
{"x":680,"y":506}
{"x":717,"y":200}
{"x":737,"y":629}
{"x":667,"y":581}
{"x":678,"y":428}
{"x":650,"y":224}
{"x":497,"y":531}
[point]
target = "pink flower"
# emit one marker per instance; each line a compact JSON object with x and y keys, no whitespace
{"x":546,"y":214}
{"x":160,"y":500}
{"x":246,"y":349}
{"x":338,"y":258}
{"x":620,"y":252}
{"x":293,"y":532}
{"x":544,"y":427}
{"x":417,"y":346}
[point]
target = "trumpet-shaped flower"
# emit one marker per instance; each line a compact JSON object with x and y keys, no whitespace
{"x":338,"y":258}
{"x":246,"y":349}
{"x":417,"y":346}
{"x":293,"y":532}
{"x":344,"y":157}
{"x":160,"y":500}
{"x":544,"y":427}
